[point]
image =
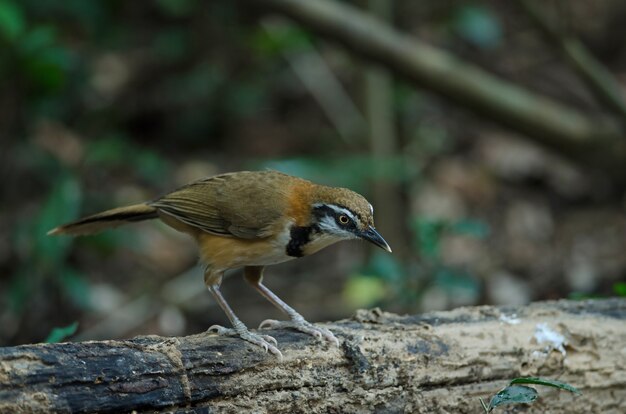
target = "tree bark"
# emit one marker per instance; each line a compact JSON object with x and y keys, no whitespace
{"x":435,"y":362}
{"x":592,"y":140}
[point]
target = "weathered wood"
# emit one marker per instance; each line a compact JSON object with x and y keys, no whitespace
{"x":436,"y":362}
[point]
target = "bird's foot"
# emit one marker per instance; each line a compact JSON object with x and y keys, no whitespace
{"x":268,"y":343}
{"x":302,"y":326}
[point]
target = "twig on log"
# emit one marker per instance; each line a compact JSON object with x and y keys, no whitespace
{"x":437,"y":362}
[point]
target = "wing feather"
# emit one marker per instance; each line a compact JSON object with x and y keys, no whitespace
{"x":243,"y":204}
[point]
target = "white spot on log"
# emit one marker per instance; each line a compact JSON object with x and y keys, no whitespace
{"x":510,"y":319}
{"x":543,"y":333}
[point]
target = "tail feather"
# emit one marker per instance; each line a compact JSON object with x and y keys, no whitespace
{"x":107,"y":220}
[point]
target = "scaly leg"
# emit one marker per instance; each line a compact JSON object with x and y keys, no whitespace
{"x":254,"y":276}
{"x":266,"y":342}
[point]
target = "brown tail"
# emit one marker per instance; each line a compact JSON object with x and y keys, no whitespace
{"x":107,"y":220}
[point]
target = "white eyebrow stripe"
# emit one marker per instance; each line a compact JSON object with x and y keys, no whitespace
{"x":372,"y":209}
{"x":340,"y":210}
{"x":345,"y":211}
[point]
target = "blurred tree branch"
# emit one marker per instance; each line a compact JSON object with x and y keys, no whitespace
{"x":313,"y":70}
{"x":599,"y":80}
{"x":593,"y":140}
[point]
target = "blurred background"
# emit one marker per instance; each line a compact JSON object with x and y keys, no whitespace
{"x":109,"y":102}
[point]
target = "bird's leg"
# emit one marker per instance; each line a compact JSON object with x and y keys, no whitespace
{"x":266,"y":342}
{"x":254,"y":276}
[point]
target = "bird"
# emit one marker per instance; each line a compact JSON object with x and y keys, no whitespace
{"x":250,"y":220}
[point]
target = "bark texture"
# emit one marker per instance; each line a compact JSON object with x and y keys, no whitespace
{"x":431,"y":363}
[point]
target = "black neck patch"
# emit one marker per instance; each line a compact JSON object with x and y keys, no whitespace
{"x":298,"y":238}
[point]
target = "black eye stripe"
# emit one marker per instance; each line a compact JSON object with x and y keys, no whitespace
{"x":325,"y":210}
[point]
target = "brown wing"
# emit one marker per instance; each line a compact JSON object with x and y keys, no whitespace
{"x":243,"y":204}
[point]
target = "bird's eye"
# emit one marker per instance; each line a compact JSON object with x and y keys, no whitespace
{"x":344,"y":219}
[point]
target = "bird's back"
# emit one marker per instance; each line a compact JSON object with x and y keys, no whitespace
{"x":244,"y":204}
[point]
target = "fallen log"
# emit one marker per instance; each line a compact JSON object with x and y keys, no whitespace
{"x":433,"y":362}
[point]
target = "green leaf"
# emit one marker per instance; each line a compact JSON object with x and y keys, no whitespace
{"x":177,"y":8}
{"x":513,"y":394}
{"x":583,"y":296}
{"x":170,"y":44}
{"x":38,"y":39}
{"x":475,"y":228}
{"x":12,"y":22}
{"x":92,"y":16}
{"x":363,"y":291}
{"x":245,"y":98}
{"x":151,"y":166}
{"x":485,"y":408}
{"x":19,"y":290}
{"x":547,"y":383}
{"x":457,"y":283}
{"x":620,"y":289}
{"x":61,"y":206}
{"x":385,"y":266}
{"x":59,"y":334}
{"x":117,"y":150}
{"x":278,"y":39}
{"x":47,"y":70}
{"x":479,"y":26}
{"x":109,"y":151}
{"x":429,"y":233}
{"x":75,"y":286}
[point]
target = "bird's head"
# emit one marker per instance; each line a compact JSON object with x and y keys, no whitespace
{"x":343,"y":214}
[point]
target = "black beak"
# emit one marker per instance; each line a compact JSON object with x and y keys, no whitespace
{"x":371,"y":235}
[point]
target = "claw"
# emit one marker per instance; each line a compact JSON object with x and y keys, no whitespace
{"x":266,"y":342}
{"x":302,"y":326}
{"x":269,"y":324}
{"x":219,"y":330}
{"x":269,"y":339}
